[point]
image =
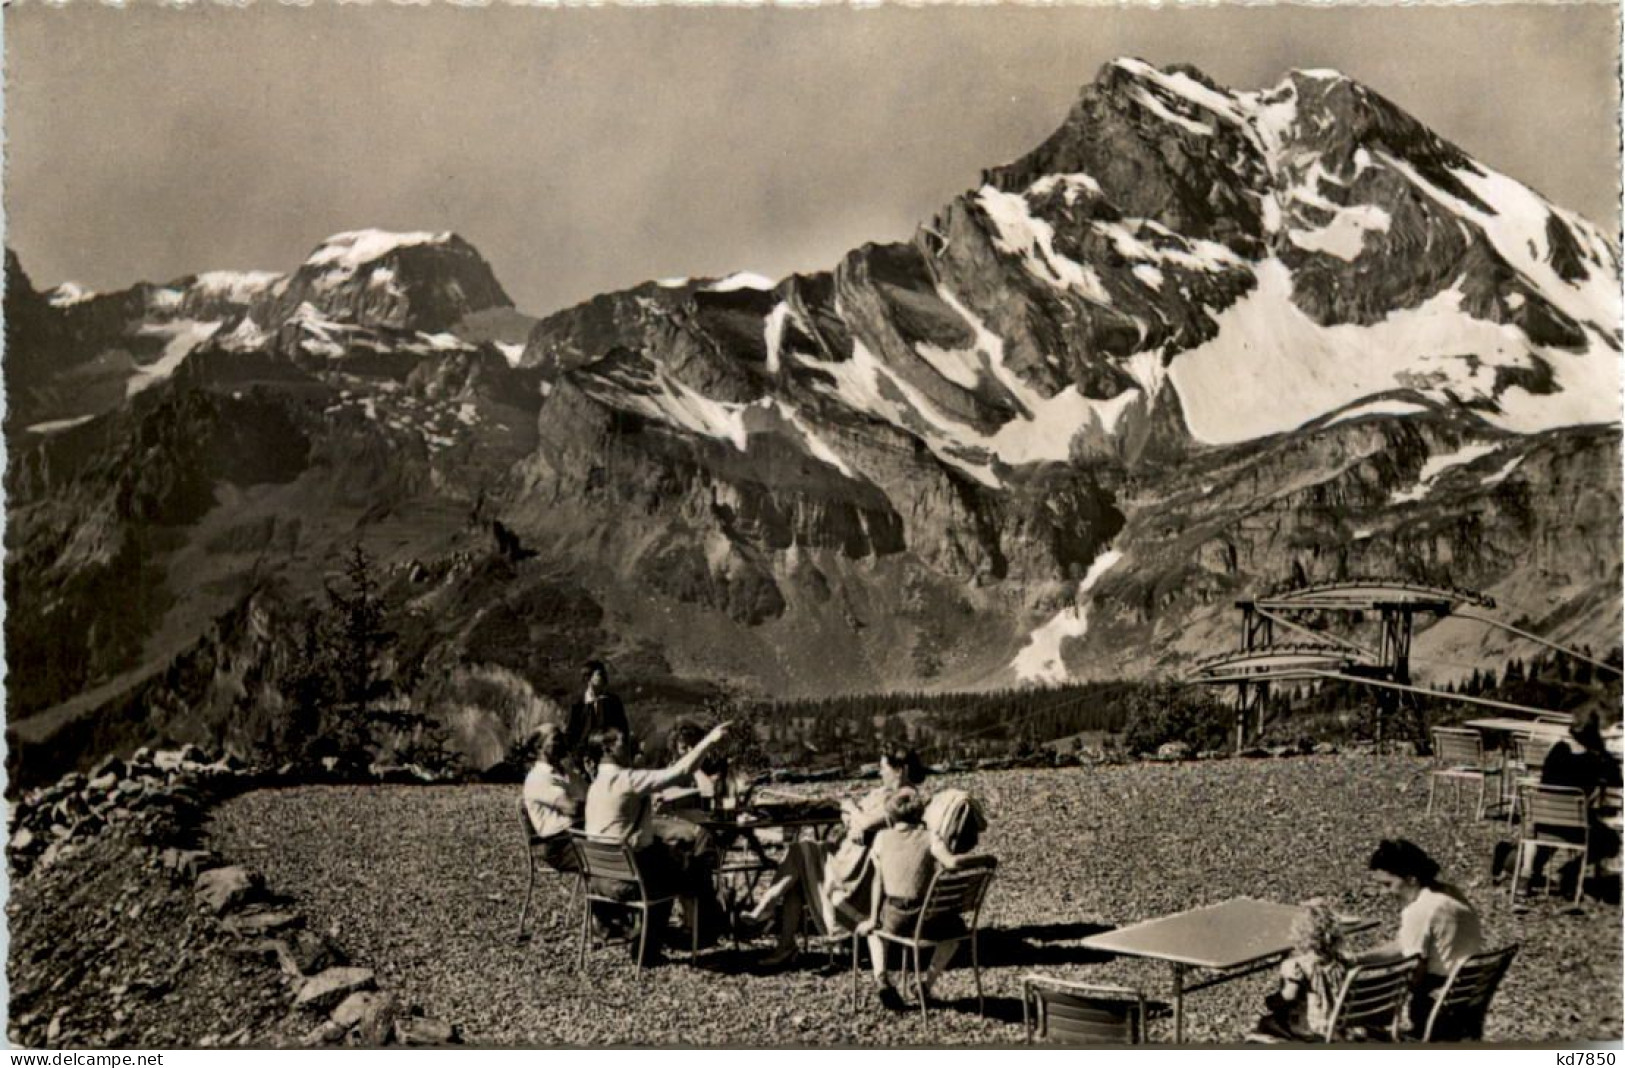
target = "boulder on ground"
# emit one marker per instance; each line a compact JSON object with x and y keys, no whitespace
{"x":327,"y":989}
{"x":1173,"y":751}
{"x":371,"y":1015}
{"x":261,"y":922}
{"x":326,"y":1033}
{"x":300,"y":952}
{"x":226,"y":889}
{"x":424,"y":1031}
{"x":187,"y":863}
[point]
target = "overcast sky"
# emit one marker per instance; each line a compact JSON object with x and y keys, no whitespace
{"x":584,"y":150}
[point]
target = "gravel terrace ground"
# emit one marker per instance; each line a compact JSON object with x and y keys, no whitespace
{"x":425,"y":884}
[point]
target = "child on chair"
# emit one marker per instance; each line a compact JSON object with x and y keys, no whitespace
{"x":1310,"y":978}
{"x":905,"y":856}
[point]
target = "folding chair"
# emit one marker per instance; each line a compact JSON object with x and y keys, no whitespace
{"x":1370,"y":1000}
{"x":951,"y":893}
{"x":1459,"y":755}
{"x":1081,"y":1014}
{"x":1464,"y":1001}
{"x":1555,"y":818}
{"x":534,"y":844}
{"x":613,"y":860}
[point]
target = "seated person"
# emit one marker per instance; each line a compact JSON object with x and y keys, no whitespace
{"x":618,"y":806}
{"x":1580,"y":762}
{"x":553,"y":794}
{"x":709,"y":777}
{"x":830,"y":879}
{"x":1436,"y":921}
{"x":1301,"y":1007}
{"x":905,"y":856}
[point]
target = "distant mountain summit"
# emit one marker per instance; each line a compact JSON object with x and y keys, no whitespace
{"x":1197,"y":344}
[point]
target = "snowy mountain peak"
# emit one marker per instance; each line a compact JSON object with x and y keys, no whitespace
{"x":348,"y":251}
{"x":69,"y":293}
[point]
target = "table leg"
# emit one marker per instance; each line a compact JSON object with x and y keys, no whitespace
{"x":1179,"y":1003}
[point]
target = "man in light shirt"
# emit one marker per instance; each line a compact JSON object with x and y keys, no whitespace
{"x":619,"y":805}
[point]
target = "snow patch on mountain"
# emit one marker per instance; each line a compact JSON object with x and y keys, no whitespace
{"x":1069,"y":184}
{"x":741,"y":280}
{"x":1517,"y":229}
{"x":1380,"y":406}
{"x":349,"y":251}
{"x":962,"y":367}
{"x":246,"y":336}
{"x":1271,"y":368}
{"x":1495,"y":478}
{"x":183,"y":336}
{"x":55,"y":425}
{"x":68,"y":293}
{"x":511,"y":352}
{"x":1167,"y":114}
{"x":1438,"y":465}
{"x":1344,"y":236}
{"x":237,"y":287}
{"x":1040,"y":659}
{"x":773,"y":334}
{"x":1022,"y":234}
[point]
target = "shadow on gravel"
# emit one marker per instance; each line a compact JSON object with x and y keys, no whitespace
{"x":1038,"y":944}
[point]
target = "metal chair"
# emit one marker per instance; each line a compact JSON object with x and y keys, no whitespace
{"x":613,"y":860}
{"x":1081,"y":1014}
{"x":534,"y":863}
{"x":1555,"y":818}
{"x":1370,"y":1000}
{"x":1459,"y":756}
{"x":1528,"y":757}
{"x":1464,"y":1001}
{"x":951,"y":893}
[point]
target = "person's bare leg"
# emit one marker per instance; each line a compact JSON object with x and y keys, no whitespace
{"x":941,"y":957}
{"x":772,"y":895}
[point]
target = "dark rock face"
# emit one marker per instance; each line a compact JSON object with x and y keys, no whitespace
{"x":1196,"y":344}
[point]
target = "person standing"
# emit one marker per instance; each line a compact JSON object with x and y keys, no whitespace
{"x":598,"y":710}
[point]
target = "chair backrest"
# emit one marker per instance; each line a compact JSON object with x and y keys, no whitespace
{"x":1464,"y":1000}
{"x":1554,"y":806}
{"x":1082,"y":1014}
{"x":1530,"y":750}
{"x":1371,"y":997}
{"x":1456,"y":747}
{"x":528,"y":828}
{"x":956,"y":892}
{"x":607,"y":858}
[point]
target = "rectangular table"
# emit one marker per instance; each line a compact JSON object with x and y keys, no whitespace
{"x":1505,"y":725}
{"x":1233,"y":938}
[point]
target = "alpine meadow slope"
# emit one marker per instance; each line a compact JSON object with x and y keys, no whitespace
{"x":1197,"y":344}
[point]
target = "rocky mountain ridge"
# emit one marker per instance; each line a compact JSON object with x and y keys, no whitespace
{"x":1197,"y":343}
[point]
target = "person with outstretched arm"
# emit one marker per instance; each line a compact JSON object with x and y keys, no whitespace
{"x":619,"y":805}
